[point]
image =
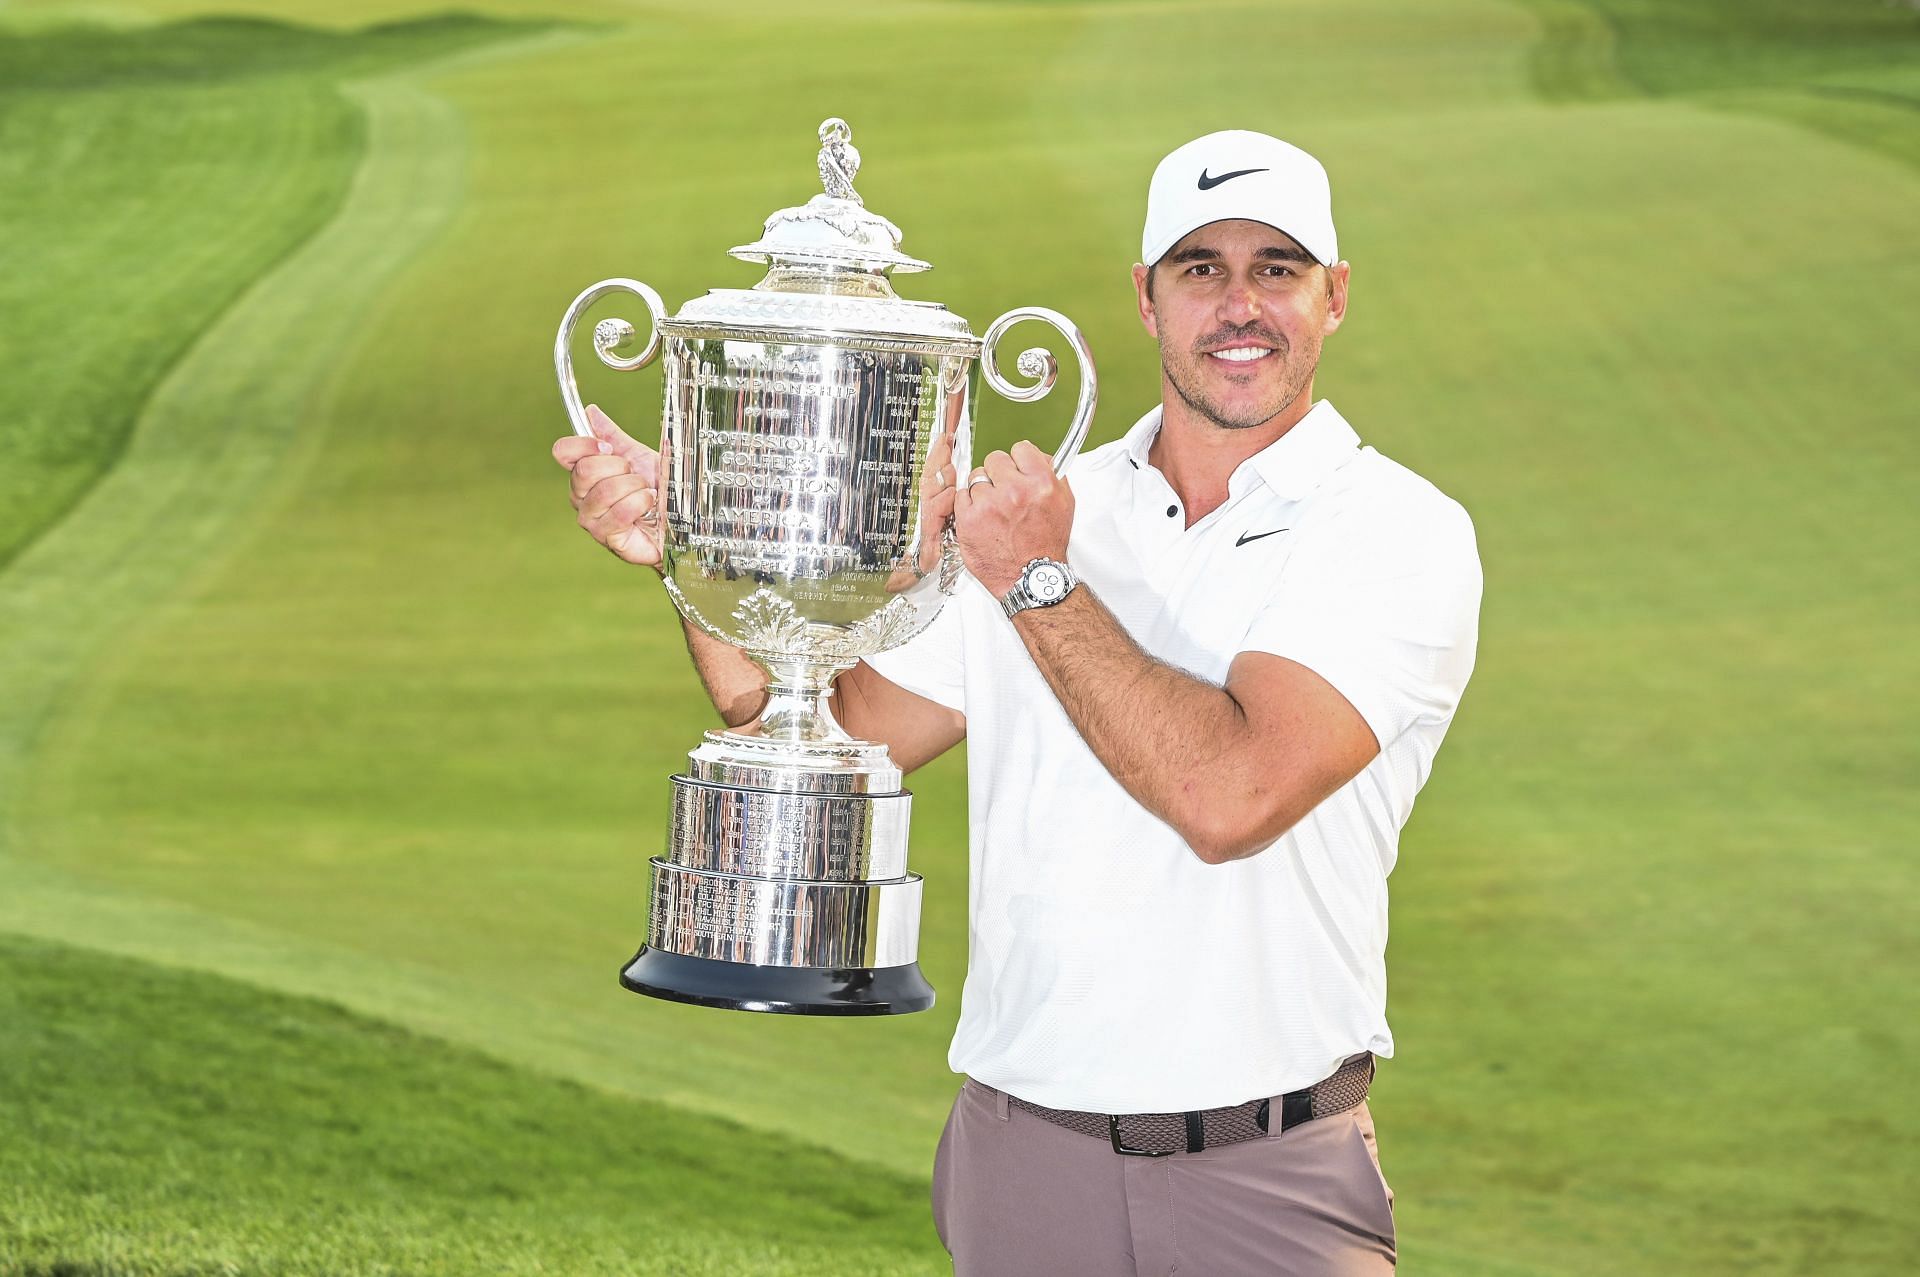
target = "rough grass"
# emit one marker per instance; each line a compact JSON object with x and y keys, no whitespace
{"x":167,"y":1123}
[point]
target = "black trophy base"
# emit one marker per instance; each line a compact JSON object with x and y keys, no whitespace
{"x":742,"y":986}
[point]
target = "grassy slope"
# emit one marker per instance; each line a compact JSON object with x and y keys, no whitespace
{"x":145,"y":180}
{"x":1848,"y":68}
{"x":409,"y":745}
{"x":398,"y":1176}
{"x":218,"y":431}
{"x":108,"y":264}
{"x":1677,"y":46}
{"x":1691,"y":824}
{"x":161,"y":1122}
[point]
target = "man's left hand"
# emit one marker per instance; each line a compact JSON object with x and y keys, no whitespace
{"x":1020,"y":511}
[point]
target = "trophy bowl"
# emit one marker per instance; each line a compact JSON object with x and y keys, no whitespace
{"x":796,"y":425}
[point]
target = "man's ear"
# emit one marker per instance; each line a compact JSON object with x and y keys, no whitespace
{"x":1337,"y":276}
{"x":1141,"y":274}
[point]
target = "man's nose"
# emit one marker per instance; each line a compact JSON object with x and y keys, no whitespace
{"x":1240,"y":304}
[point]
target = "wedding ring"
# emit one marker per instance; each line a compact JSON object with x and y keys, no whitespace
{"x":977,"y":478}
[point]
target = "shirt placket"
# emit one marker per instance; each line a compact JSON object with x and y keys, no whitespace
{"x":1177,"y":553}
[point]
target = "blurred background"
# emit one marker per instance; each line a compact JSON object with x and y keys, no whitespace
{"x":332,"y":752}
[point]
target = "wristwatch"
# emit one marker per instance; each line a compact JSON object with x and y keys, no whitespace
{"x":1043,"y":583}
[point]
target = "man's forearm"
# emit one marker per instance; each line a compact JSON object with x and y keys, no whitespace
{"x":1172,"y":740}
{"x":736,"y":686}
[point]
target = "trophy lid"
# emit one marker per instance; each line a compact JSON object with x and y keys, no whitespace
{"x":835,"y":229}
{"x":828,"y":267}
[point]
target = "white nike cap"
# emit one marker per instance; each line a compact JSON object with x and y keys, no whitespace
{"x":1238,"y":174}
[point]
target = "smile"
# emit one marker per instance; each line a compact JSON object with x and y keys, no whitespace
{"x":1240,"y":354}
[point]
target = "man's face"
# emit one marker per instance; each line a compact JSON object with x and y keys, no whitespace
{"x":1240,"y":311}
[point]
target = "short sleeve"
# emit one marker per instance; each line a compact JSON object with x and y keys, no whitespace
{"x":1386,"y":608}
{"x":933,"y":662}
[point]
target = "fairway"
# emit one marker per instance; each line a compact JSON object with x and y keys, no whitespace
{"x":309,"y":685}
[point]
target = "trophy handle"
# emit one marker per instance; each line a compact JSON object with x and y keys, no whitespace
{"x":608,"y":336}
{"x":1038,"y":363}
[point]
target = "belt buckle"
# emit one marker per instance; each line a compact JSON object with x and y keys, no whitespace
{"x":1113,"y":1133}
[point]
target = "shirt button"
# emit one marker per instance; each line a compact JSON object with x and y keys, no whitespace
{"x":1172,"y":510}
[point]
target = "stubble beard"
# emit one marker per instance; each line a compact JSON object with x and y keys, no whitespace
{"x":1184,"y":373}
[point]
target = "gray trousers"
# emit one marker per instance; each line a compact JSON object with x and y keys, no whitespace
{"x":1014,"y":1195}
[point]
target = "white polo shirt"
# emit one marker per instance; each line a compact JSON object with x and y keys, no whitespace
{"x":1110,"y":968}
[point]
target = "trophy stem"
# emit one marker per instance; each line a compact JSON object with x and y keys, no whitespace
{"x":799,"y":702}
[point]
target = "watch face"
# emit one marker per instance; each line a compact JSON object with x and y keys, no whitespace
{"x":1047,"y":583}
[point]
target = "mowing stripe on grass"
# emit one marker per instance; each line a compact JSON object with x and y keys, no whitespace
{"x":223,"y":432}
{"x":131,"y":216}
{"x":147,"y":178}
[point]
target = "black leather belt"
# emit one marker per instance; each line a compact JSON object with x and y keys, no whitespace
{"x":1161,"y":1134}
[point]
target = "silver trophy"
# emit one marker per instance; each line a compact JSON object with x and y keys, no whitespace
{"x":797,"y":420}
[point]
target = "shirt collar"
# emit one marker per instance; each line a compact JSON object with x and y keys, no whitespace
{"x":1300,"y":460}
{"x":1293,"y":465}
{"x":1140,"y":438}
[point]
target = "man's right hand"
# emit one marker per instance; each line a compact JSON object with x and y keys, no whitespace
{"x":615,"y":489}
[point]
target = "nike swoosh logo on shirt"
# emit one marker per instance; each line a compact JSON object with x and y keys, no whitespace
{"x":1255,"y":536}
{"x":1208,"y":183}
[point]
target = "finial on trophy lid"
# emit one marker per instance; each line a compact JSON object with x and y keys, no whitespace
{"x":833,"y":242}
{"x":839,"y":160}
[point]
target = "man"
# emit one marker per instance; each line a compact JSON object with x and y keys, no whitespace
{"x":1202,"y":683}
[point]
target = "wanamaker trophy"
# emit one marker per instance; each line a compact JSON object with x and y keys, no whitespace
{"x":797,"y":419}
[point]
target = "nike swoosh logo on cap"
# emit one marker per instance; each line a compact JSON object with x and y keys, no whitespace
{"x":1255,"y":536}
{"x":1208,"y":183}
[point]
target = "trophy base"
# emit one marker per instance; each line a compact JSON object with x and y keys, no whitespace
{"x":742,"y":986}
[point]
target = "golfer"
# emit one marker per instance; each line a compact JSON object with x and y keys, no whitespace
{"x":1202,"y":680}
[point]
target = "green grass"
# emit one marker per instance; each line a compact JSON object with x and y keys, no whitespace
{"x":1680,"y":46}
{"x":344,"y":705}
{"x":1847,"y":68}
{"x":169,"y":1123}
{"x":146,"y":179}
